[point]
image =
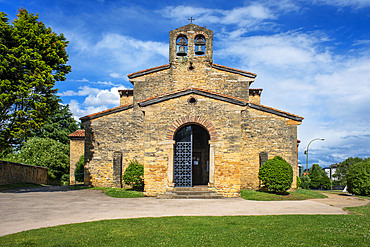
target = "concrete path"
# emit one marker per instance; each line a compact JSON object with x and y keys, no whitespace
{"x":32,"y":208}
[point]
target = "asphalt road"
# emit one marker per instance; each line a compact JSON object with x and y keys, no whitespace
{"x":32,"y":208}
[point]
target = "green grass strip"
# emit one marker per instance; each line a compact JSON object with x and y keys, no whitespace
{"x":282,"y":230}
{"x":299,"y":194}
{"x":113,"y":192}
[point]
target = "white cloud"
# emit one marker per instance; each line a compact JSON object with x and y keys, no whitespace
{"x":78,"y":112}
{"x":115,"y":75}
{"x":346,"y":3}
{"x":301,"y":74}
{"x":96,"y":100}
{"x":117,"y":54}
{"x":252,"y":16}
{"x":104,"y":97}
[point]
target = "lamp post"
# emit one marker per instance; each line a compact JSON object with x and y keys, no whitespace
{"x":306,"y":152}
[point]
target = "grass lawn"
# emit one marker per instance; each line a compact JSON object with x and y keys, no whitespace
{"x":284,"y":230}
{"x":113,"y":192}
{"x":299,"y":194}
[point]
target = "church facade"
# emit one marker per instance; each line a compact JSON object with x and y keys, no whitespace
{"x":190,"y":122}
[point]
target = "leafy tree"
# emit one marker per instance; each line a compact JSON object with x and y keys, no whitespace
{"x":32,"y":59}
{"x":79,"y":172}
{"x":44,"y":152}
{"x":276,"y":175}
{"x":134,"y":175}
{"x":343,"y":168}
{"x":319,"y":178}
{"x":58,"y":125}
{"x":358,"y":178}
{"x":305,"y":182}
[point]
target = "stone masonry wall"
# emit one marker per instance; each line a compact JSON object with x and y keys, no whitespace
{"x":180,"y":77}
{"x":105,"y":137}
{"x":224,"y":117}
{"x":76,"y":149}
{"x":265,"y":132}
{"x":20,"y":173}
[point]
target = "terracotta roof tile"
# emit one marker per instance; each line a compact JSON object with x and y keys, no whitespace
{"x":106,"y":111}
{"x":274,"y":109}
{"x":148,"y":71}
{"x":78,"y":133}
{"x":233,"y":70}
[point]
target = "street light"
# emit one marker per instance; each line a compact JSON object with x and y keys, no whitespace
{"x":306,"y":152}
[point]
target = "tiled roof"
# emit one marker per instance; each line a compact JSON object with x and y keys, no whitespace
{"x":199,"y":91}
{"x":106,"y":112}
{"x":78,"y":133}
{"x":227,"y":98}
{"x":232,"y":70}
{"x":214,"y":65}
{"x":148,"y":71}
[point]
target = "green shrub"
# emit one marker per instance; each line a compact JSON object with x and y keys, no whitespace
{"x":44,"y":152}
{"x":276,"y":175}
{"x":358,"y":178}
{"x":65,"y":179}
{"x":305,"y":182}
{"x":298,"y":182}
{"x":79,"y":172}
{"x":134,"y":175}
{"x":319,"y":178}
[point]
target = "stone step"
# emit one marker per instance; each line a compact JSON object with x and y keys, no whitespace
{"x":165,"y":196}
{"x":197,"y":188}
{"x":198,"y":192}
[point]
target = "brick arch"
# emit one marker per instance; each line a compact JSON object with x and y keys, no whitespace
{"x":178,"y":123}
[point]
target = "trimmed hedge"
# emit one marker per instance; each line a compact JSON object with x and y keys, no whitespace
{"x":276,"y":175}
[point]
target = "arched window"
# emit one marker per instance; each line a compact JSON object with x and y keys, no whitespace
{"x":200,"y":43}
{"x":182,"y":46}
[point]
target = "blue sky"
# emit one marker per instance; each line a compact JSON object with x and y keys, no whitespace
{"x":312,"y":57}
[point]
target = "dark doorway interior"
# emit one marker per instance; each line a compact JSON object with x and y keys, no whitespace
{"x":191,"y":146}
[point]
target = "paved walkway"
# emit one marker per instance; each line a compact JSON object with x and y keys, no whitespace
{"x":32,"y":208}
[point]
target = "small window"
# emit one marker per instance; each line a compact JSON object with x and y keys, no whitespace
{"x":192,"y":100}
{"x":263,"y":158}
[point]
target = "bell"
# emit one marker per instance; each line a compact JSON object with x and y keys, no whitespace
{"x":199,"y":50}
{"x":181,"y":51}
{"x":200,"y":41}
{"x":182,"y":42}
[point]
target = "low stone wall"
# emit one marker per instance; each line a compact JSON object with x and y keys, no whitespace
{"x":20,"y":173}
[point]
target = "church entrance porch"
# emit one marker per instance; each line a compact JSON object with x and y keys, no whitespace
{"x":191,"y":156}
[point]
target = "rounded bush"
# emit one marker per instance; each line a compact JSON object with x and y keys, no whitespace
{"x":358,"y":178}
{"x":134,"y":175}
{"x":276,"y":175}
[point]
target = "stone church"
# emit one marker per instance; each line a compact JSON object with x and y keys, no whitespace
{"x":191,"y":123}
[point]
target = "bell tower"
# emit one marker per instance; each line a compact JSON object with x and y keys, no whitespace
{"x":191,"y":43}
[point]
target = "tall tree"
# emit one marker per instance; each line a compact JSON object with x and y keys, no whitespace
{"x":343,"y":168}
{"x":32,"y":59}
{"x":319,"y":178}
{"x":58,"y":125}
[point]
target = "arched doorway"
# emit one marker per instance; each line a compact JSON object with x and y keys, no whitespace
{"x":191,"y":159}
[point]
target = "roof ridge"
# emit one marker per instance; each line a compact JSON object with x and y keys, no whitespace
{"x":117,"y":108}
{"x":148,"y":71}
{"x":230,"y":69}
{"x":274,"y":109}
